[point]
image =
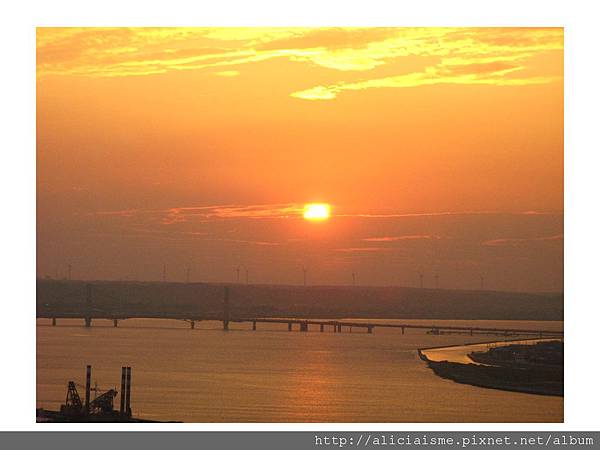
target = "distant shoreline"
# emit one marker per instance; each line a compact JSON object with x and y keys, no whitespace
{"x":536,"y":380}
{"x":253,"y":300}
{"x":291,"y":285}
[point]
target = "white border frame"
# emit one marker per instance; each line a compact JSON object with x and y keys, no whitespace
{"x":582,"y":221}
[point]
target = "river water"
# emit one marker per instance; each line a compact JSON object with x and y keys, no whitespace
{"x":272,"y":375}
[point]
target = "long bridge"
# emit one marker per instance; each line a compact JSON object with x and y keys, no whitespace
{"x":336,"y":325}
{"x":89,"y":313}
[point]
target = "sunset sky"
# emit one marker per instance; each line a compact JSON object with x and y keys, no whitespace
{"x":440,"y":151}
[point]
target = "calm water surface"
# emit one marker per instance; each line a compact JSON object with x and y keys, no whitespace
{"x":272,"y":375}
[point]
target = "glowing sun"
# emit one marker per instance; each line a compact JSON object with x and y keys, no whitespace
{"x":317,"y":211}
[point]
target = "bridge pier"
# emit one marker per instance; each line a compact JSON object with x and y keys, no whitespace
{"x":321,"y":328}
{"x":192,"y":324}
{"x":226,"y":309}
{"x":54,"y":321}
{"x":289,"y":326}
{"x":254,"y":325}
{"x":402,"y":330}
{"x":339,"y":327}
{"x":471,"y":331}
{"x":303,"y":326}
{"x":370,"y":329}
{"x":115,"y":323}
{"x":88,"y":306}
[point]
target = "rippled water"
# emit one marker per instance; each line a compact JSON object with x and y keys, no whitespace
{"x":272,"y":375}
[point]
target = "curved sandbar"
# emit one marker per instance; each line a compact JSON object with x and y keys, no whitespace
{"x":460,"y":353}
{"x":455,"y":363}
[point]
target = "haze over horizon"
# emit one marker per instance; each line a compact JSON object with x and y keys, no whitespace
{"x":440,"y":151}
{"x":178,"y":279}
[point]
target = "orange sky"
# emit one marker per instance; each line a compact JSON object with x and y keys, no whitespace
{"x":440,"y":150}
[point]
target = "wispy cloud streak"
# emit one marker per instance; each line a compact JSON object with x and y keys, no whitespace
{"x":450,"y":213}
{"x":514,"y":242}
{"x":284,"y":211}
{"x":361,"y":249}
{"x":206,"y":213}
{"x":414,"y":237}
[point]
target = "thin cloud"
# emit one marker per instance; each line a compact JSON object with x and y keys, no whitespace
{"x":183,"y":214}
{"x":228,"y":73}
{"x":402,"y":238}
{"x":430,"y":76}
{"x":448,"y":213}
{"x":361,"y":249}
{"x":245,"y":241}
{"x":119,"y":213}
{"x":515,"y":242}
{"x":206,"y":213}
{"x":238,"y":211}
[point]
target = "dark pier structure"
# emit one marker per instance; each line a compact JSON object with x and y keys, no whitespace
{"x":97,"y":409}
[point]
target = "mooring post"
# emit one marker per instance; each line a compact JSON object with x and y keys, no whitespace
{"x":128,"y":394}
{"x":402,"y":330}
{"x":254,"y":325}
{"x":54,"y":321}
{"x":88,"y":386}
{"x":115,"y":323}
{"x":123,"y":375}
{"x":88,"y":305}
{"x":226,"y":309}
{"x":192,"y":324}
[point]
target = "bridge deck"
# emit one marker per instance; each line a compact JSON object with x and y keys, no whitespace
{"x":289,"y":321}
